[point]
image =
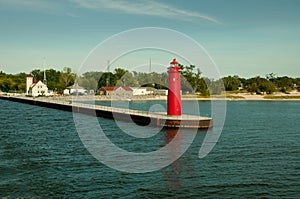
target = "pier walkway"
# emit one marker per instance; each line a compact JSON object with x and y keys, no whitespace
{"x":138,"y":116}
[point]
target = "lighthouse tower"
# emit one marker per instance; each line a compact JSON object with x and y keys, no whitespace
{"x":174,"y":98}
{"x":29,"y":81}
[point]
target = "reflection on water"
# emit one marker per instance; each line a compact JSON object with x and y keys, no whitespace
{"x":172,"y":173}
{"x":175,"y":174}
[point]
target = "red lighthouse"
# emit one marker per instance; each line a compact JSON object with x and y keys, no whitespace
{"x":174,"y":98}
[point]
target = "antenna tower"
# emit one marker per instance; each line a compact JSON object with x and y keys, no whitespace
{"x":44,"y":65}
{"x":108,"y":77}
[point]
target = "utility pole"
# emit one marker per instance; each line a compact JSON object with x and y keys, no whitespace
{"x":108,"y":77}
{"x":44,"y":65}
{"x":150,"y":66}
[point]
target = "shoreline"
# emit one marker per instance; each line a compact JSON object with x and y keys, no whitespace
{"x":231,"y":97}
{"x":294,"y":96}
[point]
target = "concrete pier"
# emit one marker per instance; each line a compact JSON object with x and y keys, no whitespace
{"x":140,"y":117}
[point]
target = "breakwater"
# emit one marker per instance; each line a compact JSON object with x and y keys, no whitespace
{"x":139,"y":117}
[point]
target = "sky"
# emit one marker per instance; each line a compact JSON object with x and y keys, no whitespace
{"x":245,"y":38}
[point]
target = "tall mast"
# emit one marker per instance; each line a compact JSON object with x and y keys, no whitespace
{"x":108,"y":77}
{"x":44,"y":65}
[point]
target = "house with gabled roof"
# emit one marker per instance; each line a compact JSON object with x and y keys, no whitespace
{"x":36,"y":87}
{"x":120,"y":91}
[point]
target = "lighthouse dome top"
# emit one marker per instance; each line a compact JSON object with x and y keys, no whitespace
{"x":174,"y":62}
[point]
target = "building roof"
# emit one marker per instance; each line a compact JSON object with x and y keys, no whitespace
{"x":138,"y":88}
{"x":32,"y":85}
{"x":75,"y":86}
{"x":29,"y":75}
{"x":35,"y":82}
{"x":112,"y":88}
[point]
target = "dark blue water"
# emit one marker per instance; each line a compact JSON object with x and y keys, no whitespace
{"x":258,"y":155}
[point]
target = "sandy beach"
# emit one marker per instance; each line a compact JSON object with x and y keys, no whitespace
{"x":239,"y":96}
{"x":292,"y":96}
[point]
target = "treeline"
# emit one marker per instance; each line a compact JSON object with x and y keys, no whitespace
{"x":56,"y":80}
{"x":191,"y":81}
{"x":271,"y":83}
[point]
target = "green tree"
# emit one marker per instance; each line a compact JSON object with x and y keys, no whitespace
{"x":67,"y":77}
{"x":202,"y":87}
{"x":88,"y":83}
{"x":7,"y":84}
{"x":106,"y":79}
{"x":119,"y":73}
{"x":252,"y":87}
{"x":129,"y":80}
{"x":296,"y":81}
{"x":215,"y":86}
{"x":266,"y":86}
{"x":271,"y":77}
{"x":284,"y":83}
{"x":260,"y":85}
{"x":231,"y":83}
{"x":37,"y":74}
{"x":191,"y":80}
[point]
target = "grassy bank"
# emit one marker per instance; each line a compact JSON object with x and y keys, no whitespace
{"x":228,"y":96}
{"x":281,"y":97}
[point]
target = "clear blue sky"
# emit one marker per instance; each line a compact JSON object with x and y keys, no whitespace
{"x":246,"y":38}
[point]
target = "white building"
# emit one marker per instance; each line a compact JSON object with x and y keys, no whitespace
{"x":66,"y":92}
{"x":161,"y":92}
{"x":140,"y":91}
{"x":76,"y":89}
{"x":38,"y":88}
{"x":119,"y":91}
